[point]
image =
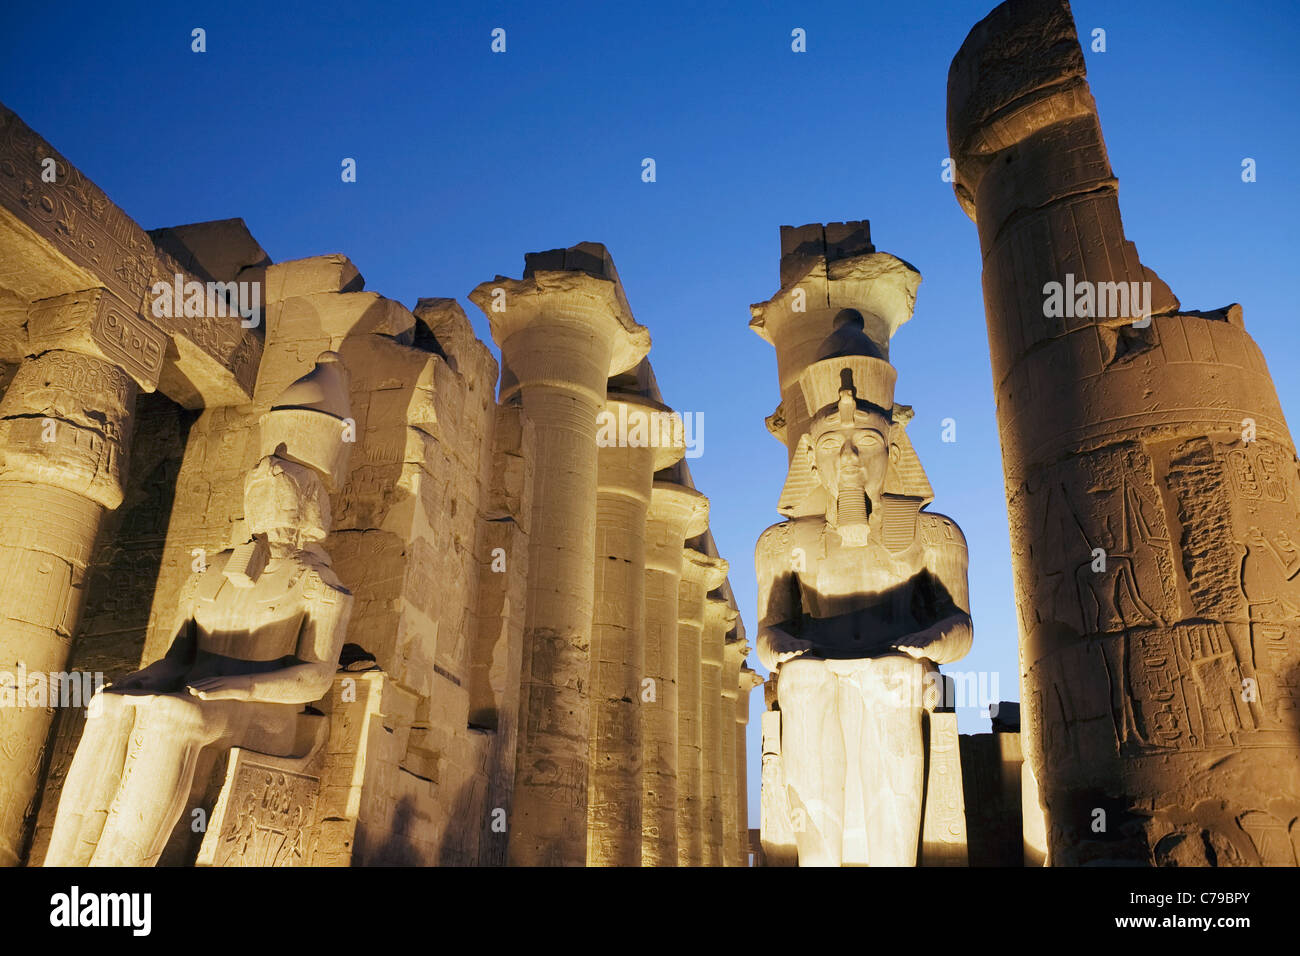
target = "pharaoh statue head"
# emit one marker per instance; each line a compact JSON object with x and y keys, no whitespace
{"x":305,"y":440}
{"x":855,"y":465}
{"x":287,"y":502}
{"x":849,"y":450}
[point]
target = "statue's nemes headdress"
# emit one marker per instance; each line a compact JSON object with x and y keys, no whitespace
{"x":851,"y":380}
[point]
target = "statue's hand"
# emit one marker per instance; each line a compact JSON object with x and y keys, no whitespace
{"x":775,"y":647}
{"x":793,"y":648}
{"x":220,"y":688}
{"x":919,"y":643}
{"x":945,"y":641}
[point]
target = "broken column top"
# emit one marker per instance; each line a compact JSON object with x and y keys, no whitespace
{"x":1022,"y":47}
{"x":658,"y":422}
{"x":698,"y":566}
{"x":590,"y":257}
{"x":826,"y":269}
{"x":803,"y":246}
{"x":718,"y":612}
{"x":670,"y":501}
{"x":1021,"y":69}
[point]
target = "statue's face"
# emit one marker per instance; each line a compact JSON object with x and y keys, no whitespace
{"x":285,"y":501}
{"x":853,"y":457}
{"x":851,"y":461}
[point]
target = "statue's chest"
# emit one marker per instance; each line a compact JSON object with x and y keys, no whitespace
{"x":857,"y":573}
{"x":837,"y":580}
{"x":260,"y":623}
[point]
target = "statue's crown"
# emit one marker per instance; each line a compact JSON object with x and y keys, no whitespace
{"x":307,"y":423}
{"x":849,"y":360}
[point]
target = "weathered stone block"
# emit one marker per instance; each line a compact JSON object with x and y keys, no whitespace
{"x":329,"y":273}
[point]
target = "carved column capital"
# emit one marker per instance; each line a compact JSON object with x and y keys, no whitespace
{"x":702,"y":570}
{"x":719,"y":617}
{"x":565,"y":329}
{"x":65,"y":421}
{"x":677,"y":513}
{"x":97,"y":323}
{"x":829,"y":272}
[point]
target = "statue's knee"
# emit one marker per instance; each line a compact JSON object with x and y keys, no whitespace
{"x":801,"y":679}
{"x":107,"y":706}
{"x":179,"y":713}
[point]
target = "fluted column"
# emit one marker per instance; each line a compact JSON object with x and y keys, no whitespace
{"x":676,"y":514}
{"x":719,"y":618}
{"x":748,"y":680}
{"x":64,"y":432}
{"x":733,"y":657}
{"x":562,"y":333}
{"x":700,"y":575}
{"x":627,"y":460}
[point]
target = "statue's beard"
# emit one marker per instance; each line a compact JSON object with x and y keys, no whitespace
{"x":852,"y":510}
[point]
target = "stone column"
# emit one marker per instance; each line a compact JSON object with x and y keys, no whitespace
{"x":829,"y":273}
{"x":733,"y":656}
{"x":629,"y":452}
{"x":64,"y":431}
{"x":1151,"y":486}
{"x":719,"y":618}
{"x":676,"y":514}
{"x":748,"y":680}
{"x":700,"y":575}
{"x":563,"y":330}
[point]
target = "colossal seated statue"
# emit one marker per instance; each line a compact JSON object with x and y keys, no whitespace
{"x":258,"y":635}
{"x":858,"y":600}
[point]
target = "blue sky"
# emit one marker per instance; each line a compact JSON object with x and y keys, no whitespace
{"x":468,"y":159}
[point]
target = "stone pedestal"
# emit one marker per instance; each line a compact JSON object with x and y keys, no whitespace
{"x":267,"y":813}
{"x":64,"y":428}
{"x":719,"y":618}
{"x":943,"y":827}
{"x":1151,"y":489}
{"x":700,"y":575}
{"x":626,"y":466}
{"x":676,"y":514}
{"x":563,"y":329}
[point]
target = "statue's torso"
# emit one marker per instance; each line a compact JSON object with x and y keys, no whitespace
{"x":245,"y":629}
{"x":855,"y":602}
